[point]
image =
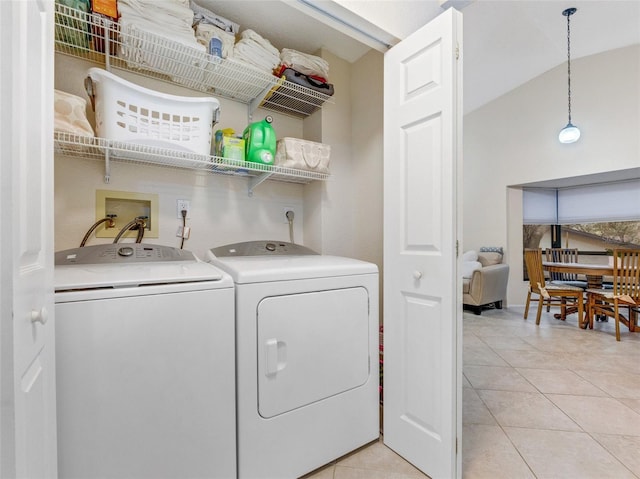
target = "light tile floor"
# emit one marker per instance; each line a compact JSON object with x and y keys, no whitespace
{"x":547,"y":401}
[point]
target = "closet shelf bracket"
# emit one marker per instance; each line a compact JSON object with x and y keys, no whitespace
{"x":107,"y":166}
{"x":265,"y":94}
{"x":255,"y":181}
{"x":107,"y":42}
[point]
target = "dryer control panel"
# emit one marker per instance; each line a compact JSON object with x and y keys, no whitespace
{"x":262,"y":248}
{"x":122,"y":253}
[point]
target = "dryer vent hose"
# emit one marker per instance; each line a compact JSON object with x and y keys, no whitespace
{"x":289,"y":215}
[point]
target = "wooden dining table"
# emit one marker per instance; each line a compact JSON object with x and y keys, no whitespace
{"x":594,"y":274}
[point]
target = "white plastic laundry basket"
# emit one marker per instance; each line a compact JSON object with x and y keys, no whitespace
{"x":130,"y":113}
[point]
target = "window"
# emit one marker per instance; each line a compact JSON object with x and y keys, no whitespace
{"x":595,"y":219}
{"x":592,"y":237}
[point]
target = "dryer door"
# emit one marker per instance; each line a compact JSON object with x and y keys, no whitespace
{"x":311,"y":346}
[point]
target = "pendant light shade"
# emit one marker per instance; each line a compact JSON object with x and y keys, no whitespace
{"x":570,"y":133}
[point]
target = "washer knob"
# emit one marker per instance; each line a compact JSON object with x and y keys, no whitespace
{"x":125,"y":251}
{"x":270,"y":247}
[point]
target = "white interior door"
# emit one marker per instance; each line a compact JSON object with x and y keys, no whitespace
{"x":28,"y":446}
{"x":422,"y":292}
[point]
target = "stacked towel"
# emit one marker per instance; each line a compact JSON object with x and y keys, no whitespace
{"x":257,"y":51}
{"x":167,"y":18}
{"x":145,"y":23}
{"x":304,"y":63}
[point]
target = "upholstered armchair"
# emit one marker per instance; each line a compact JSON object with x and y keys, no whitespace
{"x":485,"y":278}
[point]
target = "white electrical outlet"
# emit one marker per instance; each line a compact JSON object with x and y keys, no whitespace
{"x":183,"y":205}
{"x":284,"y":214}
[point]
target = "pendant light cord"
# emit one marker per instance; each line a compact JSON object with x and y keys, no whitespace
{"x":568,"y":13}
{"x":570,"y":133}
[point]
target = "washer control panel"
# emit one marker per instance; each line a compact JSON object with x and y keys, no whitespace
{"x":262,"y":248}
{"x":122,"y":253}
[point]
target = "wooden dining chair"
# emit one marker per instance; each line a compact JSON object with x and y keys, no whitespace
{"x":549,"y":293}
{"x":625,"y":294}
{"x":564,"y":255}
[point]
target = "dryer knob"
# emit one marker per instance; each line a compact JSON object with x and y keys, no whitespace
{"x":125,"y":251}
{"x":270,"y":247}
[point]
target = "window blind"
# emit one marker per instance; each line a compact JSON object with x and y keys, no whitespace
{"x":619,"y":201}
{"x":539,"y":207}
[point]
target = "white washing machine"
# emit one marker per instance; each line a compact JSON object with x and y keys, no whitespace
{"x":145,"y":364}
{"x":306,"y":355}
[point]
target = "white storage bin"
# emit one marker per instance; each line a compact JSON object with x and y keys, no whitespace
{"x":303,"y":155}
{"x":130,"y":113}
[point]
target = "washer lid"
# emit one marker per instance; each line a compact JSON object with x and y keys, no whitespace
{"x":259,"y":269}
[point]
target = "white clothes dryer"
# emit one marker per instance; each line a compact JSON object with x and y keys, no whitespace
{"x":145,"y":364}
{"x":307,"y":356}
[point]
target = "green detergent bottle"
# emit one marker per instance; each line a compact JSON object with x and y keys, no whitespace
{"x":260,"y":141}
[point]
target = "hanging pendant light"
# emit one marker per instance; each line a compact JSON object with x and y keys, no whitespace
{"x":569,"y":133}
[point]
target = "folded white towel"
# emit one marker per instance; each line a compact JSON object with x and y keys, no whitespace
{"x":251,"y":52}
{"x":256,"y":50}
{"x":170,"y":11}
{"x":133,"y":24}
{"x":144,"y":27}
{"x":265,"y":44}
{"x":305,"y":63}
{"x":170,"y":19}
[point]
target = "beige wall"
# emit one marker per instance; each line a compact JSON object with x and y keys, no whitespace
{"x":367,"y":92}
{"x":367,"y":146}
{"x":343,"y":216}
{"x":513,"y":140}
{"x":333,"y":201}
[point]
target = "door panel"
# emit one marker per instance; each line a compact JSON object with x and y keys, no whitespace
{"x":28,"y":397}
{"x":422,"y":409}
{"x":421,"y":213}
{"x":422,"y":289}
